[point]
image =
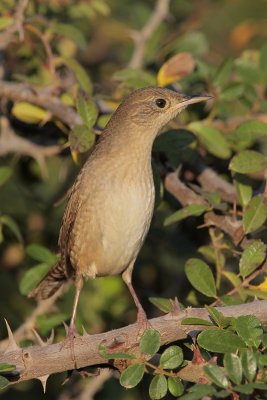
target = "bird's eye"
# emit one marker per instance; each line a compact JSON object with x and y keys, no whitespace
{"x":161,"y":103}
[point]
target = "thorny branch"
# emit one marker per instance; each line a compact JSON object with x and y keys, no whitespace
{"x":25,"y":330}
{"x":17,"y":26}
{"x":40,"y":361}
{"x":141,"y":37}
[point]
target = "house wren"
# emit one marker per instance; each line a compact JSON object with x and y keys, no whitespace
{"x":111,"y":202}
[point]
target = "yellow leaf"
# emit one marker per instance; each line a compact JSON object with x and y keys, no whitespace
{"x":30,"y":113}
{"x":5,"y":22}
{"x":176,"y":68}
{"x":262,"y":286}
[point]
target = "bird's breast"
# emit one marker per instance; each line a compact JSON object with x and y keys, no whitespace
{"x":129,"y":211}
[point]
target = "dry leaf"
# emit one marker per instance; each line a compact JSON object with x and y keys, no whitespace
{"x":176,"y":68}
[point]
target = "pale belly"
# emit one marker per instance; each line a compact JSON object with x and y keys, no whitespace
{"x":112,"y":232}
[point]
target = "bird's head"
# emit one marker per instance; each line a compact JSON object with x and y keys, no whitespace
{"x":154,"y":107}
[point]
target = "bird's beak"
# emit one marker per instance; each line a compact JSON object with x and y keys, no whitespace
{"x":186,"y":100}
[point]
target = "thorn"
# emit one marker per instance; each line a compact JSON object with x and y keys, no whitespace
{"x":85,"y":333}
{"x":38,"y":338}
{"x":12,"y":344}
{"x":43,"y":380}
{"x":176,"y":309}
{"x":197,"y":356}
{"x":66,"y":328}
{"x":51,"y":337}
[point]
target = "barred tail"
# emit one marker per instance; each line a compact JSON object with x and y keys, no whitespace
{"x":51,"y":283}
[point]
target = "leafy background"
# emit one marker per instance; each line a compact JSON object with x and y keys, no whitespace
{"x":76,"y":50}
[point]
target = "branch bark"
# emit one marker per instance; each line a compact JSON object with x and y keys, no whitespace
{"x":141,"y":37}
{"x":8,"y":35}
{"x":42,"y":361}
{"x":42,"y":98}
{"x":12,"y":143}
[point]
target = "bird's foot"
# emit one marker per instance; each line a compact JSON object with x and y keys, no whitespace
{"x":71,"y":334}
{"x":142,"y":322}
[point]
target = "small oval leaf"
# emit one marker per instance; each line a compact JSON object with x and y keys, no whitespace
{"x":248,"y":162}
{"x":171,"y":358}
{"x":255,"y":214}
{"x":212,"y":139}
{"x":200,"y":276}
{"x":249,"y":363}
{"x":132,"y":375}
{"x":220,"y":341}
{"x":150,"y":342}
{"x":192,"y":210}
{"x":252,"y":257}
{"x":175,"y":386}
{"x":215,"y":374}
{"x":158,"y":387}
{"x":32,"y":277}
{"x":232,"y":364}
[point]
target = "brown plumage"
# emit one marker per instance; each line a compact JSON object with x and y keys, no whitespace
{"x":111,"y":203}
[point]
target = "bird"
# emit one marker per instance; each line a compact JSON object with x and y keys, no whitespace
{"x":111,"y":203}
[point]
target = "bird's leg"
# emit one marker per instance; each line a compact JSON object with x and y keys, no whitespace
{"x":72,"y":331}
{"x":142,"y":320}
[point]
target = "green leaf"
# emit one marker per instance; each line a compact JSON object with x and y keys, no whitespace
{"x":188,"y":211}
{"x":114,"y":356}
{"x":162,"y":304}
{"x":5,"y":21}
{"x":246,"y":388}
{"x":218,"y":317}
{"x":4,"y":368}
{"x":212,"y":139}
{"x":87,"y":109}
{"x":12,"y":225}
{"x":247,"y":133}
{"x":80,"y":74}
{"x":3,"y":382}
{"x":5,"y":174}
{"x":220,"y":341}
{"x":196,"y":321}
{"x":232,"y":92}
{"x":41,"y":253}
{"x":223,"y":73}
{"x":243,"y":187}
{"x":81,"y":138}
{"x":200,"y":276}
{"x":175,"y":386}
{"x":134,"y":78}
{"x":247,"y":71}
{"x":32,"y":277}
{"x":252,"y":257}
{"x":232,"y":364}
{"x":249,"y":363}
{"x":262,"y":360}
{"x":158,"y":387}
{"x":150,"y":342}
{"x":248,"y":162}
{"x":198,"y":392}
{"x":215,"y":374}
{"x":132,"y":375}
{"x":69,"y":31}
{"x":171,"y":358}
{"x":45,"y":323}
{"x":209,"y":253}
{"x":255,"y":214}
{"x":249,"y":328}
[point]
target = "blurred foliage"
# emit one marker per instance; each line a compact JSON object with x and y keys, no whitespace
{"x":79,"y":52}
